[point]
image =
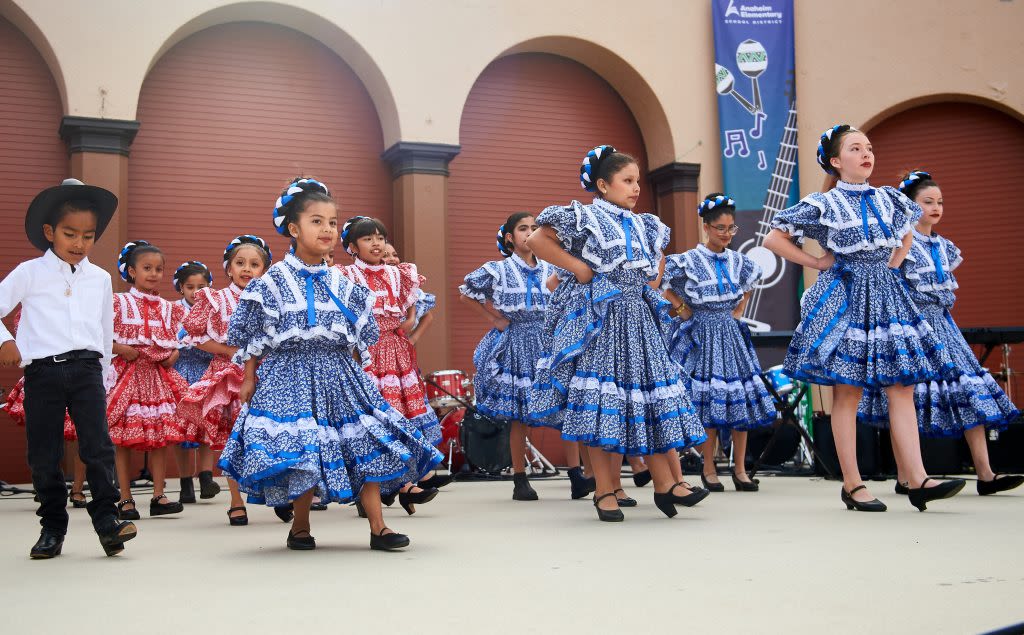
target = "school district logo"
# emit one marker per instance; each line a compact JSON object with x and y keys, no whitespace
{"x":751,"y":14}
{"x":731,"y":9}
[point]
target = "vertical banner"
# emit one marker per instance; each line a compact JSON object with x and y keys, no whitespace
{"x":754,"y":78}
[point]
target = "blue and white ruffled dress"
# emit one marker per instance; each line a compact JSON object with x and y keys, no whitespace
{"x":713,"y":348}
{"x":506,"y":360}
{"x":944,"y":408}
{"x":192,"y":363}
{"x":605,"y":377}
{"x":859,"y":324}
{"x":316,"y":419}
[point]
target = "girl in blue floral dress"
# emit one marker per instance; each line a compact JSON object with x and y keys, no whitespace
{"x":189,"y":278}
{"x":972,"y":403}
{"x":708,"y":285}
{"x":313,"y":421}
{"x":605,"y":377}
{"x":859,"y":327}
{"x":507,"y":355}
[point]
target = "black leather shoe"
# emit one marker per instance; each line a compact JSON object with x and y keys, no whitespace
{"x":285,"y":512}
{"x":48,"y":546}
{"x":744,"y":486}
{"x":78,"y":500}
{"x":208,"y":488}
{"x":388,"y":542}
{"x":115,"y":534}
{"x":187,"y":493}
{"x":127,"y":514}
{"x":696,"y":495}
{"x":711,"y":487}
{"x":318,"y":507}
{"x":156,"y":508}
{"x":1001,"y":483}
{"x":873,"y":505}
{"x":238,"y":521}
{"x":608,"y":515}
{"x":521,"y":490}
{"x":437,"y":481}
{"x":666,"y":503}
{"x":580,"y":485}
{"x":901,"y":489}
{"x":624,"y":500}
{"x":409,"y":500}
{"x":921,"y":496}
{"x":301,"y":543}
{"x":642,"y":478}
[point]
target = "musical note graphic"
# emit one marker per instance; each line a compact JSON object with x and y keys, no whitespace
{"x":758,"y":129}
{"x":762,"y":163}
{"x":736,"y":143}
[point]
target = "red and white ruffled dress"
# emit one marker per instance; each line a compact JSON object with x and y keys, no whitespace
{"x":142,"y":405}
{"x":393,"y":365}
{"x":210,"y":406}
{"x":15,"y":404}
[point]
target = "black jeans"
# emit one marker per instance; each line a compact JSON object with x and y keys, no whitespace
{"x":78,"y":386}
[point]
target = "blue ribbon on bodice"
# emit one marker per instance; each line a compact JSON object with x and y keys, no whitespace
{"x":318,"y":276}
{"x":933,"y":247}
{"x":532,"y":280}
{"x":627,"y":229}
{"x":722,"y":272}
{"x":868,"y":202}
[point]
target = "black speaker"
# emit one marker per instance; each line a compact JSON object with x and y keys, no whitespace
{"x":787,"y":442}
{"x":1007,"y":453}
{"x":945,"y":455}
{"x":874,"y":451}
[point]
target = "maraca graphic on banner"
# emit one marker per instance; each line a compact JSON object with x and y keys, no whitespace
{"x":752,"y":60}
{"x":725,"y":84}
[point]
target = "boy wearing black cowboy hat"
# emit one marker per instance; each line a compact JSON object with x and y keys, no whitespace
{"x":64,"y":342}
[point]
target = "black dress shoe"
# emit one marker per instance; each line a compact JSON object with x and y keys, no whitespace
{"x":711,"y":487}
{"x":208,"y":488}
{"x":187,"y":493}
{"x":48,"y":546}
{"x":156,"y":508}
{"x":436,"y":481}
{"x":78,"y":500}
{"x":642,"y":478}
{"x":624,"y":500}
{"x":873,"y":505}
{"x":388,"y":542}
{"x":744,"y":486}
{"x":521,"y":489}
{"x":921,"y":496}
{"x":318,"y":507}
{"x":285,"y":512}
{"x":115,"y":534}
{"x":901,"y":489}
{"x":580,"y":485}
{"x":238,"y":521}
{"x":696,"y":495}
{"x":301,"y":543}
{"x":409,"y":500}
{"x":1001,"y":483}
{"x":608,"y":515}
{"x":127,"y":514}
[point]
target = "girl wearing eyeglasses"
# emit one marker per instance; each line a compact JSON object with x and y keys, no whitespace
{"x":708,"y":286}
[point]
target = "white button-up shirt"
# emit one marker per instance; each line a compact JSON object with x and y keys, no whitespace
{"x":54,"y":320}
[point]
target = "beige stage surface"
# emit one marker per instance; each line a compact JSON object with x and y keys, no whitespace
{"x":789,"y":559}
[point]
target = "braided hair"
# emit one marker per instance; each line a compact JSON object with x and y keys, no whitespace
{"x":830,"y":143}
{"x":505,"y":245}
{"x":188,"y":269}
{"x":914,"y":181}
{"x":603,"y":162}
{"x":293,"y":201}
{"x":130,"y":254}
{"x":714,"y":206}
{"x":358,"y":227}
{"x":248,"y":239}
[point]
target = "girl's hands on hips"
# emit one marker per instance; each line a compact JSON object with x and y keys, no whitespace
{"x":9,"y":354}
{"x":247,"y":389}
{"x":825,"y":262}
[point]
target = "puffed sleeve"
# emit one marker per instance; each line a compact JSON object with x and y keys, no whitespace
{"x":197,"y":322}
{"x":254,"y":322}
{"x":567,"y":221}
{"x":425,"y":304}
{"x":750,"y":273}
{"x":479,"y":284}
{"x":410,"y":282}
{"x":800,"y":221}
{"x":953,"y":255}
{"x":675,"y":273}
{"x":359,"y":301}
{"x":656,"y":233}
{"x":905,"y":212}
{"x":178,"y":314}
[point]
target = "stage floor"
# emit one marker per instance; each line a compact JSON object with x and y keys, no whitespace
{"x":790,"y":559}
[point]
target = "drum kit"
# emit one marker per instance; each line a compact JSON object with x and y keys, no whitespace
{"x":472,"y":442}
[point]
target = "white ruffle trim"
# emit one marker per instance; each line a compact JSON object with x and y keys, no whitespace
{"x":883,"y":333}
{"x":637,"y":395}
{"x":150,"y":412}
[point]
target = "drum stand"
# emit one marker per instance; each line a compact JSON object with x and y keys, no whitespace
{"x":787,"y":412}
{"x":538,"y":464}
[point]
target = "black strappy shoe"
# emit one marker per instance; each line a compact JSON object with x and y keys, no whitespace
{"x":624,"y":500}
{"x":873,"y":505}
{"x":409,"y":500}
{"x":696,"y":495}
{"x":642,"y":478}
{"x":744,"y":486}
{"x":1001,"y":483}
{"x":608,"y":515}
{"x":921,"y":496}
{"x":238,"y":521}
{"x":156,"y":508}
{"x":128,"y":514}
{"x":285,"y":512}
{"x":301,"y":543}
{"x":709,"y":486}
{"x":81,"y":503}
{"x":388,"y":542}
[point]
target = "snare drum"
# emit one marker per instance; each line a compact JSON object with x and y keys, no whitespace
{"x":453,"y":383}
{"x":780,"y":381}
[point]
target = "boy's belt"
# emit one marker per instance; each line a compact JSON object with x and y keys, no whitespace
{"x":69,"y":356}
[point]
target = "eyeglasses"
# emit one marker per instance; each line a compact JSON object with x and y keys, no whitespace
{"x":732,"y":230}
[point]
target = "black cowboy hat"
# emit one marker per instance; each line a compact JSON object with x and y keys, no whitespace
{"x":40,"y":212}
